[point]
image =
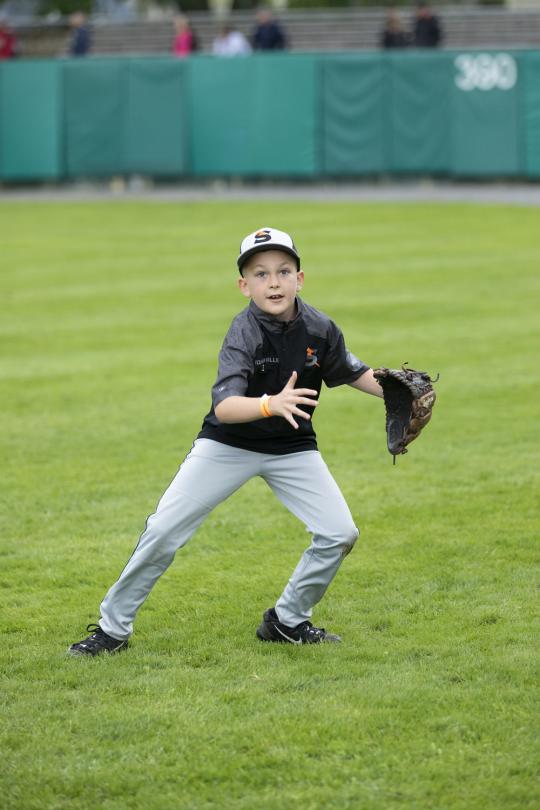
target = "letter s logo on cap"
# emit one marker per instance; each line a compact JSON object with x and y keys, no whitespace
{"x":262,"y":236}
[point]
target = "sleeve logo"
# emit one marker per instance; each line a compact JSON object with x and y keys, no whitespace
{"x":311,"y":358}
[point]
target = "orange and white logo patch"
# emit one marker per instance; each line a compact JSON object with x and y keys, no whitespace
{"x":311,"y":358}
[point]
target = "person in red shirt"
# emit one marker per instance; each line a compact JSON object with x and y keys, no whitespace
{"x":8,"y":43}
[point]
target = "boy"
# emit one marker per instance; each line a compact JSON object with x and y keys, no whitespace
{"x":259,"y":424}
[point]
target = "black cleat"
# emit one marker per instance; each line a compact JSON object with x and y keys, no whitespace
{"x":98,"y":642}
{"x":271,"y":629}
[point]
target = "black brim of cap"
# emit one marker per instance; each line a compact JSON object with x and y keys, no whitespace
{"x":259,"y":248}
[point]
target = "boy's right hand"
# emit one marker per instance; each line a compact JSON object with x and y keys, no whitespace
{"x":286,"y":403}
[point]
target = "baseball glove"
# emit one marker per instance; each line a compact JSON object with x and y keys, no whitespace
{"x":408,"y":398}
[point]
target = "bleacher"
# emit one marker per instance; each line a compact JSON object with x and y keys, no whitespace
{"x":308,"y":30}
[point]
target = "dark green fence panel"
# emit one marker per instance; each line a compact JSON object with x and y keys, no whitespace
{"x":254,"y":116}
{"x":354,"y":102}
{"x":94,"y":98}
{"x":485,"y":111}
{"x":420,"y":116}
{"x":531,"y":113}
{"x":220,"y":111}
{"x":30,"y":120}
{"x":155,"y":127}
{"x":125,"y":116}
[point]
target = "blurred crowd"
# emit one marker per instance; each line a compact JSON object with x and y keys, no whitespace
{"x":268,"y":34}
{"x":79,"y":42}
{"x":425,"y":31}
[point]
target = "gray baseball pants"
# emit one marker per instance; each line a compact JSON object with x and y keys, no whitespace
{"x":212,"y":472}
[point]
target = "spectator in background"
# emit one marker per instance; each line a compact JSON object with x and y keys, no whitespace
{"x":427,"y":31}
{"x":230,"y":43}
{"x":185,"y":41}
{"x":268,"y":34}
{"x":8,"y":42}
{"x":393,"y":34}
{"x":81,"y":41}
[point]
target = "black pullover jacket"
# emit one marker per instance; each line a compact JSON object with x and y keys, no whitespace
{"x":258,"y":356}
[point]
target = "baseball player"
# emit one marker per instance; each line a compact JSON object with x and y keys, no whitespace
{"x":276,"y":355}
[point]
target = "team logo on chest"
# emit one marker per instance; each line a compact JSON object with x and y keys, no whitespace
{"x":311,"y":358}
{"x":263,"y":364}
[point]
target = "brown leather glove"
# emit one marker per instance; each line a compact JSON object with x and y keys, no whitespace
{"x":408,"y":398}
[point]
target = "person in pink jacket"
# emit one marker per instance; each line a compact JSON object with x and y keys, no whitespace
{"x":185,"y":41}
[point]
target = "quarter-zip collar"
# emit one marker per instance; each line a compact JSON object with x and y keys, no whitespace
{"x":272,"y":324}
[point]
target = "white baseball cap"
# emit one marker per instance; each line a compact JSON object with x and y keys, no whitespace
{"x":266,"y":239}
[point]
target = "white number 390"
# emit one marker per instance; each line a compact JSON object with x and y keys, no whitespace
{"x":486,"y":72}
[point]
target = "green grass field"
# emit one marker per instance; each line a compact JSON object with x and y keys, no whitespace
{"x":112,"y":318}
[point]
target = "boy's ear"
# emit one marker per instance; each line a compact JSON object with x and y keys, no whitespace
{"x":242,"y":285}
{"x":299,"y":280}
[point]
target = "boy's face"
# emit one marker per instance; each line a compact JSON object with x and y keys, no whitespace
{"x":271,"y":279}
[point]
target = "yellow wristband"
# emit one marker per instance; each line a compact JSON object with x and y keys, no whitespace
{"x":263,"y":404}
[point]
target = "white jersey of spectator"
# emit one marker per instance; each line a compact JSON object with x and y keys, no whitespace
{"x":231,"y":43}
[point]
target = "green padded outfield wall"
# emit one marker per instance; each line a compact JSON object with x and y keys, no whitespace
{"x":454,"y":113}
{"x":30,"y":120}
{"x":487,"y":137}
{"x":450,"y":113}
{"x":254,"y":116}
{"x":125,"y":116}
{"x":94,"y":101}
{"x":420,"y":113}
{"x":156,"y":134}
{"x":353,"y":103}
{"x":531,"y":115}
{"x":384,"y":112}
